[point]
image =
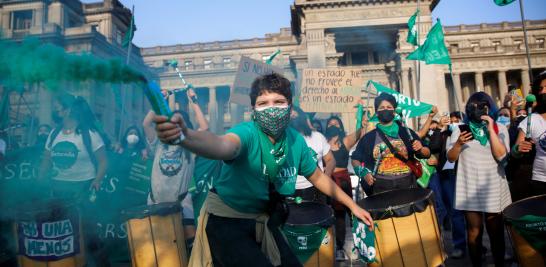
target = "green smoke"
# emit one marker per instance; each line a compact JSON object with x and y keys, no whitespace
{"x":34,"y":62}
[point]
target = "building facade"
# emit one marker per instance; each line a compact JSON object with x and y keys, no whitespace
{"x":324,"y":34}
{"x":370,"y":35}
{"x":95,"y":28}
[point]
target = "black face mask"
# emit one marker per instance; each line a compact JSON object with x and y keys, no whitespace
{"x":331,"y":131}
{"x":541,"y":103}
{"x":476,"y":113}
{"x":520,"y":118}
{"x":385,"y":116}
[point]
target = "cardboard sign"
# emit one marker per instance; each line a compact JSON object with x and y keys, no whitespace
{"x":248,"y":70}
{"x":331,"y":90}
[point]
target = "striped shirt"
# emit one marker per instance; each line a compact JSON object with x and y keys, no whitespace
{"x":481,"y":181}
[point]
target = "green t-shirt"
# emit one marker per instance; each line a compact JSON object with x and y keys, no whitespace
{"x":242,"y":184}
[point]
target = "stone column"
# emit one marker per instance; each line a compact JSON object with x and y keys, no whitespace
{"x":405,"y":90}
{"x":457,"y":92}
{"x":45,"y":105}
{"x":315,"y":48}
{"x":503,"y":85}
{"x":525,"y":82}
{"x":478,"y":79}
{"x":222,"y":99}
{"x":213,"y":110}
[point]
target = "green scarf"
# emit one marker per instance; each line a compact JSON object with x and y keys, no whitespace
{"x":479,"y":132}
{"x":273,"y":155}
{"x":391,"y":130}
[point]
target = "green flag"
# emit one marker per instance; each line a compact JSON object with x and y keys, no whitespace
{"x":130,"y":33}
{"x":434,"y":50}
{"x":503,"y":2}
{"x":410,"y":107}
{"x":412,"y":35}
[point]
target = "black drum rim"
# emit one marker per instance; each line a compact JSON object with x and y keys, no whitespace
{"x":325,"y":222}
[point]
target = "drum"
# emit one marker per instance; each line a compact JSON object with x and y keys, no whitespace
{"x":526,"y":223}
{"x":407,"y":232}
{"x":49,"y":234}
{"x":309,"y":233}
{"x":155,"y":235}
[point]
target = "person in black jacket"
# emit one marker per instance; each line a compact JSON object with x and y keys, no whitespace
{"x":392,"y":171}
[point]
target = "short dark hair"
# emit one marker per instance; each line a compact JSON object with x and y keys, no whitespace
{"x":271,"y":83}
{"x":482,"y":97}
{"x":384,"y":97}
{"x":535,"y":89}
{"x":457,"y":114}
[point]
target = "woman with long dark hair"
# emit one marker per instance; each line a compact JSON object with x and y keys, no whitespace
{"x":319,"y":148}
{"x":74,"y":149}
{"x":340,"y":144}
{"x":481,"y":190}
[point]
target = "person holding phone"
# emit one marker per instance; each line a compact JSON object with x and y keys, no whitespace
{"x":481,"y":147}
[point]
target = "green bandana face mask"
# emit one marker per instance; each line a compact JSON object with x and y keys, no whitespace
{"x":391,"y":130}
{"x":479,"y":132}
{"x":272,"y":120}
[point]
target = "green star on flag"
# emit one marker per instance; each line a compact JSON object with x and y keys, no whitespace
{"x":434,"y":50}
{"x":503,"y":2}
{"x":412,"y":35}
{"x":130,"y":33}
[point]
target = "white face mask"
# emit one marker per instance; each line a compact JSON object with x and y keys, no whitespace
{"x":453,"y":125}
{"x":132,"y":139}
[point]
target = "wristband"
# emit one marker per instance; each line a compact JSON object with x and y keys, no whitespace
{"x":362,"y":171}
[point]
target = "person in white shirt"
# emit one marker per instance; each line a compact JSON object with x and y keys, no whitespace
{"x":537,"y":135}
{"x":75,"y":155}
{"x":321,"y":151}
{"x":75,"y":160}
{"x":174,"y":165}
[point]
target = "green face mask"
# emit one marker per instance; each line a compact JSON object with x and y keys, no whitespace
{"x":272,"y":120}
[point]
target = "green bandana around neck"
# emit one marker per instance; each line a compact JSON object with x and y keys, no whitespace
{"x":391,"y":130}
{"x":273,"y":155}
{"x":479,"y":132}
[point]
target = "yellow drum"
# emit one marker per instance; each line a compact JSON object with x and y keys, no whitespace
{"x":49,"y":234}
{"x":407,"y":232}
{"x":156,"y":237}
{"x":524,"y":228}
{"x":308,"y":230}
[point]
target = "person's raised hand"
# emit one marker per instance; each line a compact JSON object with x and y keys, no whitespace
{"x":464,"y":138}
{"x":525,"y":147}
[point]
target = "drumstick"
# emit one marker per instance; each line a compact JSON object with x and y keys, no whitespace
{"x":382,"y":148}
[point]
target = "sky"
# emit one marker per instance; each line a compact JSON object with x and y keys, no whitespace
{"x":169,"y":22}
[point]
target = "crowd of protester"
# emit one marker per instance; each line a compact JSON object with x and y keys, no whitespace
{"x":485,"y":157}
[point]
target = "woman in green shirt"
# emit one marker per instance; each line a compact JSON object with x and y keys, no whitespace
{"x":262,"y":158}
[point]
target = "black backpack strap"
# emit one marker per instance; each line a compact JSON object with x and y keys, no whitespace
{"x":391,"y":147}
{"x":54,"y":135}
{"x":86,"y":137}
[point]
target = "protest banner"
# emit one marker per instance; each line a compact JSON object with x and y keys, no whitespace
{"x":331,"y":90}
{"x":248,"y":70}
{"x":410,"y":107}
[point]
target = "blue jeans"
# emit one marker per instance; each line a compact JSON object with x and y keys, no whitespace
{"x":458,"y":228}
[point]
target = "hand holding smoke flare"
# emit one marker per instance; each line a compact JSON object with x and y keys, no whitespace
{"x":160,"y":105}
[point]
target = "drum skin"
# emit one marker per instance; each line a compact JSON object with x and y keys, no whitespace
{"x":407,"y":233}
{"x":527,"y":256}
{"x":78,"y":260}
{"x":320,"y":214}
{"x":156,"y":237}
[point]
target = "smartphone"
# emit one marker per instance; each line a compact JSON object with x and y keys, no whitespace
{"x":465,"y":128}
